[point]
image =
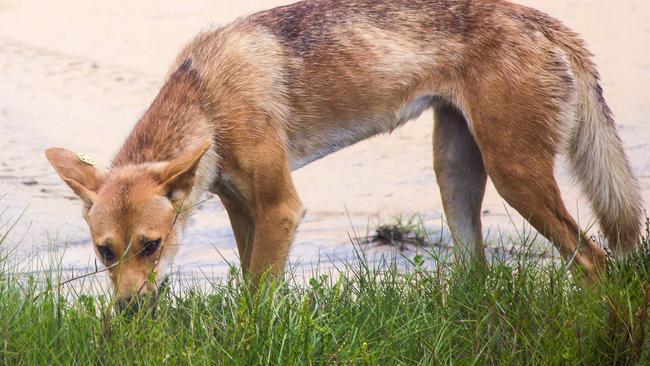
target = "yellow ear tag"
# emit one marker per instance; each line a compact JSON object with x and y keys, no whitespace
{"x":85,"y":158}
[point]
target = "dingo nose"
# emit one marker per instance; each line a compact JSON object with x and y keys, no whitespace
{"x":132,"y":303}
{"x":126,"y":302}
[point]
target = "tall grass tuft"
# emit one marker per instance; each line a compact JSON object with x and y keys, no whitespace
{"x":518,"y":310}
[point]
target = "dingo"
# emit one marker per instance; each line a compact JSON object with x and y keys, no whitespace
{"x":244,"y":105}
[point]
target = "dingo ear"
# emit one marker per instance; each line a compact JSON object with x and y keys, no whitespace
{"x":178,"y":175}
{"x":82,"y":177}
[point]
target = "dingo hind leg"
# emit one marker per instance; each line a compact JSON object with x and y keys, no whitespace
{"x":519,"y":150}
{"x":461,"y":177}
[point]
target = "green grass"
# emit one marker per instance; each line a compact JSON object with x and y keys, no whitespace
{"x":516,"y":311}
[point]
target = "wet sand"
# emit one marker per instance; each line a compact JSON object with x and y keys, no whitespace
{"x":78,"y":74}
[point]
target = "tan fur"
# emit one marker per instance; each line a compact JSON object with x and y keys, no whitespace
{"x":512,"y":89}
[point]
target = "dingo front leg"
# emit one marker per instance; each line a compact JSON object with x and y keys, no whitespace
{"x":261,"y":201}
{"x":242,"y":227}
{"x":276,"y":212}
{"x":275,"y":223}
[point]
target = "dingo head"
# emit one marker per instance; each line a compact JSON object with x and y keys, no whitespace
{"x":135,"y":214}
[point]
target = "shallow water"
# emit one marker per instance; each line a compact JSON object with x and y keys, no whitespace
{"x":78,"y":74}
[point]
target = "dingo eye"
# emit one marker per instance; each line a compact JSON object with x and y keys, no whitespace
{"x":150,"y":247}
{"x":106,"y":253}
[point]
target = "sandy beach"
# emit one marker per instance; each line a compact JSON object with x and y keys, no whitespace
{"x":79,"y":73}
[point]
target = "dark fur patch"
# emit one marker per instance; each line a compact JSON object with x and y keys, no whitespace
{"x":185,"y":66}
{"x":306,"y":27}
